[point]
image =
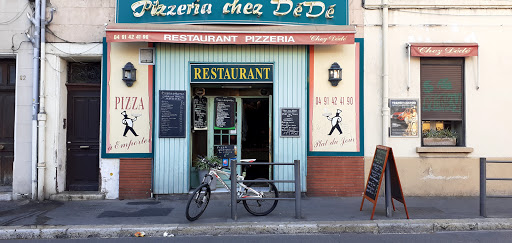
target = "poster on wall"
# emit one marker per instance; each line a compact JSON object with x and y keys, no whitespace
{"x":404,"y":118}
{"x":127,"y":115}
{"x":200,"y":113}
{"x":225,"y":113}
{"x":334,"y":110}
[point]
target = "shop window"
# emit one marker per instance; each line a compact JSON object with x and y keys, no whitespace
{"x":442,"y":96}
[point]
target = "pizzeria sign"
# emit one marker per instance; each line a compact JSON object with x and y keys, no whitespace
{"x":324,"y":12}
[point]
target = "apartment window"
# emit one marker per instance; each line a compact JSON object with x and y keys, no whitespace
{"x":442,"y":95}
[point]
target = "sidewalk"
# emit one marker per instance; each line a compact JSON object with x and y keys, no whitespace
{"x":122,"y":218}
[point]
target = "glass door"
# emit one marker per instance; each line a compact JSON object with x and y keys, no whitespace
{"x":250,"y":132}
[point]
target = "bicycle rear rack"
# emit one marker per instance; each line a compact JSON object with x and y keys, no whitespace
{"x":296,"y":181}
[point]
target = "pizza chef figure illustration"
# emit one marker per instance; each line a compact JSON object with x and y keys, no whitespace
{"x":128,"y":122}
{"x":335,"y":122}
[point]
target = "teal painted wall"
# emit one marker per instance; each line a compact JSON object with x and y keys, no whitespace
{"x":172,"y":155}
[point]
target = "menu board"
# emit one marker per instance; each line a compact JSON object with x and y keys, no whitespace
{"x":225,"y":113}
{"x":172,"y":114}
{"x":226,"y":151}
{"x":200,"y":109}
{"x":290,"y":122}
{"x":383,"y":157}
{"x":376,"y":173}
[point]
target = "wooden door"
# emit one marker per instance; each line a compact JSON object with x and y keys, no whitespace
{"x":83,"y":127}
{"x":7,"y":94}
{"x":83,"y":140}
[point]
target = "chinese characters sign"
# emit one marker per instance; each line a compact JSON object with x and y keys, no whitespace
{"x":330,"y":12}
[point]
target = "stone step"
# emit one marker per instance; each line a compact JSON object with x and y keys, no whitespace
{"x":5,"y":196}
{"x":77,"y":195}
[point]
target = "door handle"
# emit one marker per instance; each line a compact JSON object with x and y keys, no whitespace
{"x":84,"y":147}
{"x":1,"y":147}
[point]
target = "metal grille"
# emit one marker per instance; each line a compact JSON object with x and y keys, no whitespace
{"x":84,"y":73}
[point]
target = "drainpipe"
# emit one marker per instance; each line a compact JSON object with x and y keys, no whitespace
{"x":385,"y":74}
{"x":385,"y":103}
{"x":41,"y":165}
{"x":35,"y":94}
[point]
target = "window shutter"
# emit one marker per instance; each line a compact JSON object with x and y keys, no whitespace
{"x":442,"y":86}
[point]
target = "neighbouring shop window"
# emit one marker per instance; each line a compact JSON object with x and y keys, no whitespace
{"x":442,"y":97}
{"x":84,"y":73}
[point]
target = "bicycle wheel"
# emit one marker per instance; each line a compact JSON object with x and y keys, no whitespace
{"x":198,"y":202}
{"x":261,"y":207}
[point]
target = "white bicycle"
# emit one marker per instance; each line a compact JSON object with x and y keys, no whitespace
{"x":201,"y":196}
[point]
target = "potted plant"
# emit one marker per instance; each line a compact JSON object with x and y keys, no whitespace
{"x":203,"y":169}
{"x":439,"y":137}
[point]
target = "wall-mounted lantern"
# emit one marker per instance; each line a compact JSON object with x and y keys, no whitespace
{"x":335,"y":74}
{"x":129,"y":74}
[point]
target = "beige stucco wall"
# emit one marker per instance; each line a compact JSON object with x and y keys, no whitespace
{"x":486,"y":131}
{"x":80,"y":21}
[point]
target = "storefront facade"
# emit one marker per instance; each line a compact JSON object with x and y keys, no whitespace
{"x":427,"y":66}
{"x":264,"y":90}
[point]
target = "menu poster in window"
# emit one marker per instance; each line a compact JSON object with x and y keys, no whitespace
{"x":225,"y":113}
{"x":290,"y":122}
{"x":404,"y":118}
{"x":172,"y":114}
{"x":200,"y":109}
{"x":225,"y":151}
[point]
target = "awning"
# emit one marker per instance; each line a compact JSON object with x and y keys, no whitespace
{"x":232,"y":34}
{"x":444,"y":49}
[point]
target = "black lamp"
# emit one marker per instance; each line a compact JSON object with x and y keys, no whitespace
{"x":129,"y":74}
{"x":335,"y":74}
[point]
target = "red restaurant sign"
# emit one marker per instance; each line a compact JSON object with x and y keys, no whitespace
{"x":233,"y":38}
{"x":444,"y":49}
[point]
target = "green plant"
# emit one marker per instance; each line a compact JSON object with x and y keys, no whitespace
{"x":440,"y":133}
{"x":200,"y":164}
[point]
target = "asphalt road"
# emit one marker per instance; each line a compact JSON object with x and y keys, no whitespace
{"x":452,"y":237}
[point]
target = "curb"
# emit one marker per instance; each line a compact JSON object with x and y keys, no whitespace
{"x":417,"y":226}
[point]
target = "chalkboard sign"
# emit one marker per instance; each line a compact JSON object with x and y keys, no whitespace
{"x":376,"y":173}
{"x":382,"y":159}
{"x":225,"y":113}
{"x":290,"y":122}
{"x":200,"y":109}
{"x":172,"y":114}
{"x":226,"y":151}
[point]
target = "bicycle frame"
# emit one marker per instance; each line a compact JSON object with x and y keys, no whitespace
{"x":215,"y":172}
